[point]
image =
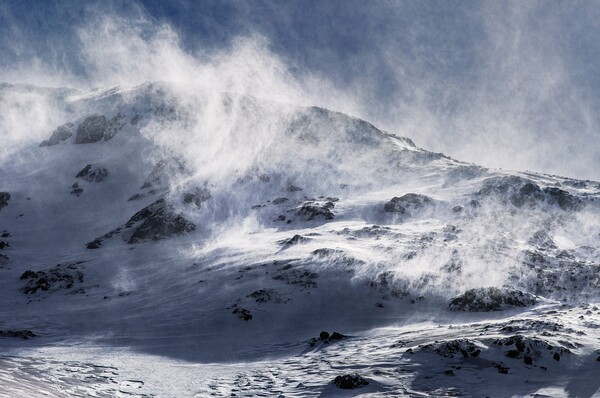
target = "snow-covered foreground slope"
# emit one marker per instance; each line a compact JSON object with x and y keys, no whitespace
{"x":166,"y":241}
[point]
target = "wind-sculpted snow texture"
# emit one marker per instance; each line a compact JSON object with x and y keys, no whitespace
{"x":193,"y":243}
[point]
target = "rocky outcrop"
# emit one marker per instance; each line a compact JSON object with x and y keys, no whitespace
{"x":60,"y":134}
{"x":408,"y":202}
{"x":449,"y":349}
{"x":22,"y":334}
{"x":4,"y":198}
{"x":115,"y":125}
{"x":315,"y":209}
{"x":350,"y":381}
{"x":491,"y":299}
{"x":530,"y":349}
{"x":157,"y":221}
{"x":92,"y":174}
{"x":91,"y":129}
{"x":522,"y":192}
{"x":196,"y":197}
{"x":61,"y":276}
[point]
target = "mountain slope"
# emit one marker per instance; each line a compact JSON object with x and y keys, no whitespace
{"x":179,"y":227}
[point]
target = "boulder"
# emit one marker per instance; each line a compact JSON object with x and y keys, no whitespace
{"x":350,"y":381}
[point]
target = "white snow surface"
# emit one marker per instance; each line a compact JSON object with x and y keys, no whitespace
{"x":165,"y":317}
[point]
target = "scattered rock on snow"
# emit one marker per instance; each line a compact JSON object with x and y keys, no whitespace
{"x":92,"y":174}
{"x":61,"y":276}
{"x":76,"y":189}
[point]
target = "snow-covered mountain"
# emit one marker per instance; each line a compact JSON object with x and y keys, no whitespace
{"x":164,"y":240}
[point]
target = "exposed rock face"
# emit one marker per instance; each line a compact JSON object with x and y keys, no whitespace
{"x":60,"y":134}
{"x":92,"y":174}
{"x":491,"y":299}
{"x":4,"y":198}
{"x":158,"y":221}
{"x":314,"y":209}
{"x":410,"y":201}
{"x":91,"y":129}
{"x":350,"y":381}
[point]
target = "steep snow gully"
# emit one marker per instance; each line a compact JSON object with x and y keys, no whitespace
{"x":164,"y":241}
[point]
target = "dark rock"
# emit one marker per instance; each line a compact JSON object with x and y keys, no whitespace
{"x":95,"y":244}
{"x":293,"y":241}
{"x":293,"y":188}
{"x":520,"y":192}
{"x":77,"y":190}
{"x":196,"y":197}
{"x":528,"y":348}
{"x":262,"y":296}
{"x":336,"y":336}
{"x":242,"y":313}
{"x":501,"y":369}
{"x":324,"y":335}
{"x":350,"y":381}
{"x":90,"y":174}
{"x":451,"y":348}
{"x":556,"y":356}
{"x":163,"y":172}
{"x":91,"y":129}
{"x":60,"y":134}
{"x":4,"y":198}
{"x":114,"y":126}
{"x":5,"y":235}
{"x":61,"y":276}
{"x":158,"y":221}
{"x":410,"y":201}
{"x":279,"y":201}
{"x":564,"y":199}
{"x":490,"y":299}
{"x":23,"y":334}
{"x":4,"y":245}
{"x":312,"y":210}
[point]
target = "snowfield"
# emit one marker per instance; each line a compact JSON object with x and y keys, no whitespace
{"x":169,"y":241}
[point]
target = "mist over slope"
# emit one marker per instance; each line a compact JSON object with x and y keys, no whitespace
{"x":183,"y":225}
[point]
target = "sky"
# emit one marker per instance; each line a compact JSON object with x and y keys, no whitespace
{"x":504,"y":84}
